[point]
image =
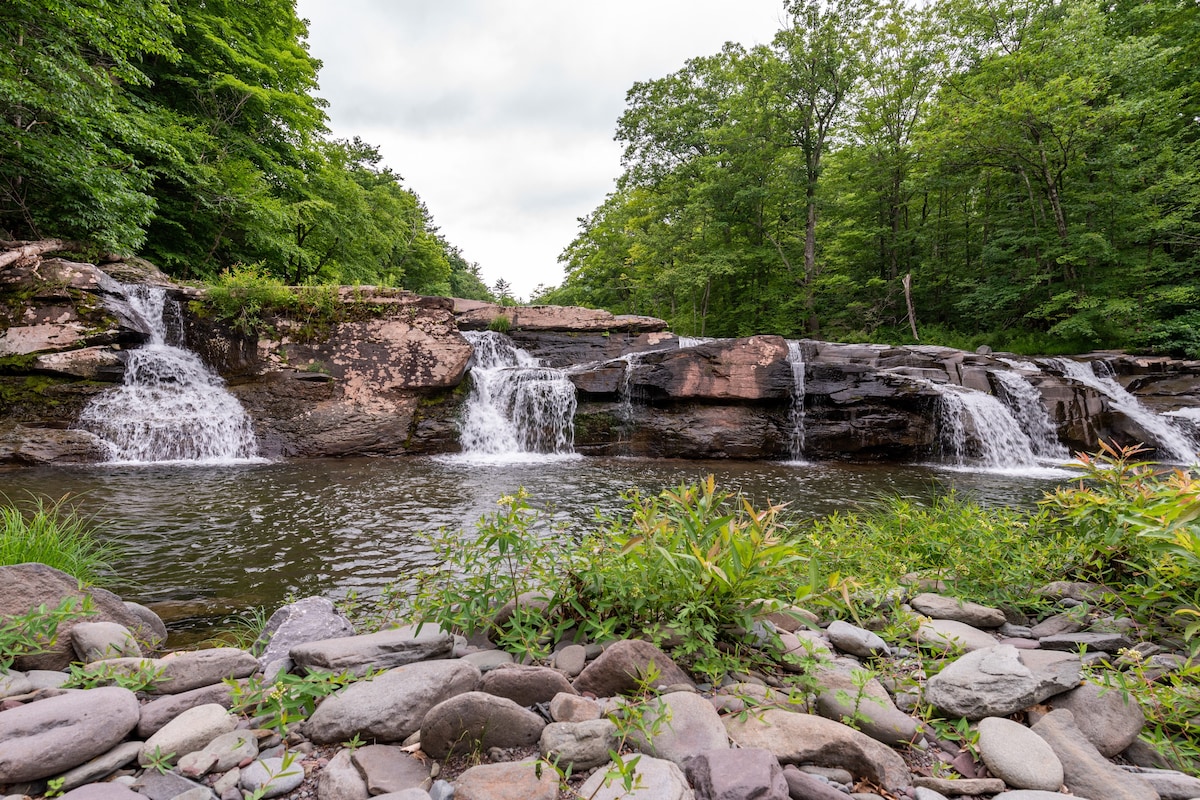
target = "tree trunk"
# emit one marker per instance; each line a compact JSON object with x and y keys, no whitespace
{"x":19,"y":251}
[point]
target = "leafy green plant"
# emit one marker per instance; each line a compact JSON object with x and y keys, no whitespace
{"x":160,"y":761}
{"x":36,"y":631}
{"x":288,"y":699}
{"x":1136,"y":528}
{"x":510,"y":560}
{"x":53,"y":533}
{"x":139,"y":678}
{"x":54,"y":786}
{"x":244,"y":294}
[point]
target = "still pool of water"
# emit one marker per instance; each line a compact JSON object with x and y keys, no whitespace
{"x":200,"y":543}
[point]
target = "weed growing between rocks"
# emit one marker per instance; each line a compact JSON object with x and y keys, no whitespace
{"x":36,"y":631}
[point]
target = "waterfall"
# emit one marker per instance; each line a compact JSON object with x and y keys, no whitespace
{"x":999,"y":441}
{"x":516,"y":405}
{"x":795,"y":358}
{"x":171,"y":406}
{"x":1171,"y":443}
{"x":694,"y":341}
{"x":1025,"y":403}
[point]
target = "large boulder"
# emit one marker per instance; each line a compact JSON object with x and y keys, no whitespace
{"x":475,"y":721}
{"x":311,"y":619}
{"x":806,"y":739}
{"x":1001,"y":680}
{"x":390,"y":706}
{"x":24,"y":587}
{"x":51,"y":736}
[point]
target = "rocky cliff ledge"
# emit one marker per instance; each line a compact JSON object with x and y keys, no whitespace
{"x":387,"y":373}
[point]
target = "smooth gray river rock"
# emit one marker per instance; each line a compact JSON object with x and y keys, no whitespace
{"x":1086,"y":640}
{"x":390,"y":707}
{"x":102,"y":791}
{"x":855,"y":640}
{"x":341,"y":780}
{"x":679,"y":725}
{"x":525,"y":685}
{"x":101,"y":766}
{"x":952,"y":636}
{"x":728,"y":774}
{"x":158,"y":713}
{"x":48,"y":737}
{"x":374,"y":651}
{"x":807,"y":739}
{"x":518,"y":780}
{"x":272,"y":777}
{"x":388,"y":769}
{"x":1018,"y":756}
{"x":475,"y":721}
{"x":1085,"y":771}
{"x":871,"y":706}
{"x":1000,"y":680}
{"x":942,"y":607}
{"x":96,"y":641}
{"x":1170,"y":784}
{"x":311,"y":619}
{"x":193,"y":669}
{"x":190,"y":731}
{"x":1109,"y":718}
{"x":624,"y":665}
{"x":661,"y":780}
{"x":578,"y":746}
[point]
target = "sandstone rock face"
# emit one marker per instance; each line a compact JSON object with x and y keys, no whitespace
{"x":27,"y":445}
{"x":477,"y":315}
{"x":50,"y":736}
{"x":27,"y":586}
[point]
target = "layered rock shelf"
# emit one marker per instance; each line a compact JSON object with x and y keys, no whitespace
{"x":831,"y":713}
{"x":391,"y":376}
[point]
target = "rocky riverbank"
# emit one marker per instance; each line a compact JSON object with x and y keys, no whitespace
{"x":422,"y":713}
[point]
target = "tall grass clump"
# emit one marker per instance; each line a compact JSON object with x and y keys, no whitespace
{"x":52,"y":533}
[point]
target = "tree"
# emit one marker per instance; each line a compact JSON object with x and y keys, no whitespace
{"x":69,"y":137}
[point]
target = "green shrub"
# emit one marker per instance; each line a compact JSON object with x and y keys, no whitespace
{"x":1136,"y":528}
{"x":689,"y":563}
{"x":52,"y":533}
{"x":244,"y":294}
{"x":984,"y":553}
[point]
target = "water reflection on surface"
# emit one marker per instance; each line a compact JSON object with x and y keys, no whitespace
{"x":202,"y":542}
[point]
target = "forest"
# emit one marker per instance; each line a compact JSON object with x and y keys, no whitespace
{"x":189,"y":132}
{"x":1028,"y":168}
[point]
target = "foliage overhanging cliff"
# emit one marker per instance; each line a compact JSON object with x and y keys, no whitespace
{"x":188,"y":131}
{"x":1033,"y":165}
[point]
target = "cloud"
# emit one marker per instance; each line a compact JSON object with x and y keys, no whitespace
{"x":501,"y":114}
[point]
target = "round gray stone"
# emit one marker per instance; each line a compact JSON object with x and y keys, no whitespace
{"x":1018,"y":756}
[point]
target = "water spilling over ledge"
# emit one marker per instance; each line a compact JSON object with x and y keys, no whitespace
{"x":171,"y":406}
{"x":385,"y":373}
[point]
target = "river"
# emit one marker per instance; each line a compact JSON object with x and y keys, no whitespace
{"x":201,"y":543}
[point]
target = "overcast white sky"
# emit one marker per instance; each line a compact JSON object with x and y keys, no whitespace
{"x":500,"y":113}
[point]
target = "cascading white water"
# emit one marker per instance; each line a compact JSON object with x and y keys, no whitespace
{"x":999,"y":442}
{"x":694,"y":341}
{"x":796,"y":411}
{"x":171,"y":406}
{"x":1025,"y":403}
{"x":516,"y":405}
{"x":1172,"y":444}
